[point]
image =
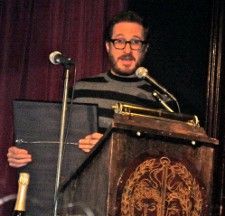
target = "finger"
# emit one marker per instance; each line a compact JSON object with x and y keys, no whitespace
{"x":19,"y":155}
{"x":88,"y":137}
{"x":90,"y":142}
{"x":85,"y":146}
{"x":96,"y":135}
{"x":15,"y":165}
{"x":18,"y":163}
{"x":16,"y":150}
{"x":84,"y":141}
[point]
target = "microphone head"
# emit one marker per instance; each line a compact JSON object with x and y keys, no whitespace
{"x":53,"y":57}
{"x":141,"y":72}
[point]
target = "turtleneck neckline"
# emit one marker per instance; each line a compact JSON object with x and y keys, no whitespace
{"x":119,"y":77}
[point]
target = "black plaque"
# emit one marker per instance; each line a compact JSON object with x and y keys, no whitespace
{"x":37,"y":127}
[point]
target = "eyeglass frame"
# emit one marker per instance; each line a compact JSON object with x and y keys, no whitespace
{"x":127,"y":42}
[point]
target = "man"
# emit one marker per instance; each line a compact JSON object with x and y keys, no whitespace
{"x":126,"y":42}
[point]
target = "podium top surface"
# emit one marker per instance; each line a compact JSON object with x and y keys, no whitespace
{"x":162,"y":127}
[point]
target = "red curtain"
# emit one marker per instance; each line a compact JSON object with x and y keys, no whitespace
{"x":29,"y":31}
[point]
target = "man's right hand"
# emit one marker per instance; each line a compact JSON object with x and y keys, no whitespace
{"x":18,"y":157}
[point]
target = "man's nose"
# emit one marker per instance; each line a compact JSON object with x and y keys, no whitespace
{"x":127,"y":48}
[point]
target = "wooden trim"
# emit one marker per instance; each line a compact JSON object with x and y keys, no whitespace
{"x":214,"y":70}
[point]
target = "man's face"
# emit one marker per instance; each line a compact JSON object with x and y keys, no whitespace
{"x":126,"y":61}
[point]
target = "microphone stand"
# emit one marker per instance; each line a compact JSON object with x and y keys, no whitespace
{"x":62,"y":132}
{"x":165,"y":105}
{"x":151,"y":80}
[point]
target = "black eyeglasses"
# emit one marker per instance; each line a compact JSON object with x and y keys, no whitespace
{"x":135,"y":44}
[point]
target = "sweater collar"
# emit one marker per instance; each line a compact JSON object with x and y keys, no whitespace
{"x":118,"y":77}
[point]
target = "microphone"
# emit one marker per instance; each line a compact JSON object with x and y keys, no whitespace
{"x":57,"y":57}
{"x":142,"y":73}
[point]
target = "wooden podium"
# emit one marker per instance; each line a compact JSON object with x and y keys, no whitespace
{"x":145,"y":166}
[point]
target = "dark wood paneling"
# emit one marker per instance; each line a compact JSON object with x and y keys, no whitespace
{"x":160,"y":167}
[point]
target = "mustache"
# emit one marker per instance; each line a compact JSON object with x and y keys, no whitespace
{"x":127,"y":57}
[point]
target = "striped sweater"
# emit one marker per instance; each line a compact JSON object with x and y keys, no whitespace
{"x":107,"y":89}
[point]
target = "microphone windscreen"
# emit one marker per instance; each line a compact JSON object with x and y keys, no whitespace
{"x":141,"y":72}
{"x":53,"y":55}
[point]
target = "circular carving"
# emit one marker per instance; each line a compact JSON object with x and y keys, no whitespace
{"x":159,"y":187}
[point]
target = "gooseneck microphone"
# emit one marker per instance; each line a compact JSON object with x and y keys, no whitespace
{"x":57,"y":57}
{"x":143,"y":73}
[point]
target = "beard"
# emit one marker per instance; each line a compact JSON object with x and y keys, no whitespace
{"x":124,"y":72}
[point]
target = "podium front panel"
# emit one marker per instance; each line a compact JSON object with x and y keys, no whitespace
{"x":145,"y":175}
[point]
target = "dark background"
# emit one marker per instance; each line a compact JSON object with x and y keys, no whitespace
{"x":179,"y":48}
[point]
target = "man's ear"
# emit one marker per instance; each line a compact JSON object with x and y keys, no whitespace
{"x":107,"y":46}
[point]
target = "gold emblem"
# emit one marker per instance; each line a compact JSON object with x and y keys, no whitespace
{"x":158,"y":187}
